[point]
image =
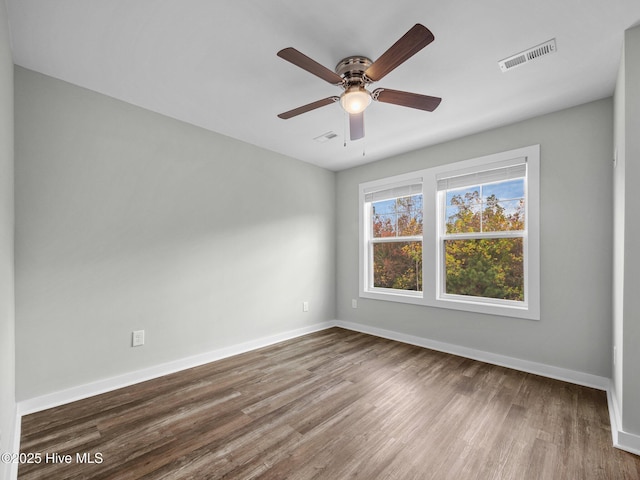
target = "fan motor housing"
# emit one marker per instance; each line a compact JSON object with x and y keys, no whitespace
{"x":352,"y":70}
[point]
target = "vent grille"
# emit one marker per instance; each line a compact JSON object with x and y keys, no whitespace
{"x":325,"y":137}
{"x":528,"y":55}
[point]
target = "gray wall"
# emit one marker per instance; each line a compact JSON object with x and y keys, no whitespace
{"x":129,"y":220}
{"x":626,"y":306}
{"x":575,"y":244}
{"x":7,"y":343}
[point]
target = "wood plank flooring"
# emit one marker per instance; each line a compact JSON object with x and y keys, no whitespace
{"x":334,"y":405}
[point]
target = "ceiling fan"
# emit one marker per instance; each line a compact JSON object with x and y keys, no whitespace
{"x":354,"y":73}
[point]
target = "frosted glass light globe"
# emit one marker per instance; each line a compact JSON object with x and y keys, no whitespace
{"x":355,"y":100}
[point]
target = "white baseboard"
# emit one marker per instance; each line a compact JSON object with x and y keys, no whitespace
{"x":571,"y":376}
{"x":72,"y":394}
{"x":15,"y":444}
{"x":9,"y":470}
{"x":623,"y":440}
{"x":80,"y":392}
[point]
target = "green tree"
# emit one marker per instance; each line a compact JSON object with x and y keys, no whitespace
{"x":484,"y":267}
{"x":398,"y":264}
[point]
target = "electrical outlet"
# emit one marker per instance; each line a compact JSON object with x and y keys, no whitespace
{"x":354,"y":303}
{"x":305,"y":306}
{"x":138,"y":338}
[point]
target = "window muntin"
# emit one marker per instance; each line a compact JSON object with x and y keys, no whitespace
{"x":397,"y":217}
{"x":490,"y":207}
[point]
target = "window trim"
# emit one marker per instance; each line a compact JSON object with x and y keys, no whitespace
{"x":367,"y":290}
{"x":432,"y":274}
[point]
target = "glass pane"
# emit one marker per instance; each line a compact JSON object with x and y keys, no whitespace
{"x":398,"y":265}
{"x":385,"y":206}
{"x":384,"y":225}
{"x":507,"y":190}
{"x":492,"y":207}
{"x":409,"y":215}
{"x":503,"y":206}
{"x":398,"y":217}
{"x":503,"y":216}
{"x":463,"y":210}
{"x":489,"y":268}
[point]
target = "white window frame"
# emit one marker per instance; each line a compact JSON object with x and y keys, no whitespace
{"x":366,"y":256}
{"x":432,"y":240}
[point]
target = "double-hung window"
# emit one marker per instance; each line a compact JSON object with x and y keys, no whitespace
{"x":482,"y":228}
{"x":462,"y":236}
{"x":394,"y":238}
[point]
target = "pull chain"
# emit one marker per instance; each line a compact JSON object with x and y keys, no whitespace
{"x":345,"y":129}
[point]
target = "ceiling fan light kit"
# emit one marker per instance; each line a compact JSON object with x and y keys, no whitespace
{"x":354,"y":73}
{"x":355,"y":99}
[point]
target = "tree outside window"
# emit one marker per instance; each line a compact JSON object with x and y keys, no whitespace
{"x":483,"y":241}
{"x":397,"y":243}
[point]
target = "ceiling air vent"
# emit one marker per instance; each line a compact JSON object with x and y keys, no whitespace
{"x":531,"y":54}
{"x":325,"y":137}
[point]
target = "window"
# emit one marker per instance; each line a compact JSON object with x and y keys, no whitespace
{"x":394,"y":238}
{"x":462,"y":236}
{"x":482,"y":231}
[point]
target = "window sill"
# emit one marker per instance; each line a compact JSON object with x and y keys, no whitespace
{"x":454,"y":303}
{"x":402,"y":296}
{"x":506,"y":309}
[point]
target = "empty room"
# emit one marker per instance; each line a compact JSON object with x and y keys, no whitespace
{"x":319,"y":240}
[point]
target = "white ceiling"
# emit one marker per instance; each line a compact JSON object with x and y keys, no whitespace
{"x":213,"y":63}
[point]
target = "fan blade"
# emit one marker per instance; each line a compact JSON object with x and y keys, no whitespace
{"x":301,"y":60}
{"x":356,"y":125}
{"x":308,"y":107}
{"x":406,"y":99}
{"x":411,"y":43}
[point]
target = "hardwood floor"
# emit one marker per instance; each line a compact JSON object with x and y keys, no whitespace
{"x":333,"y":405}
